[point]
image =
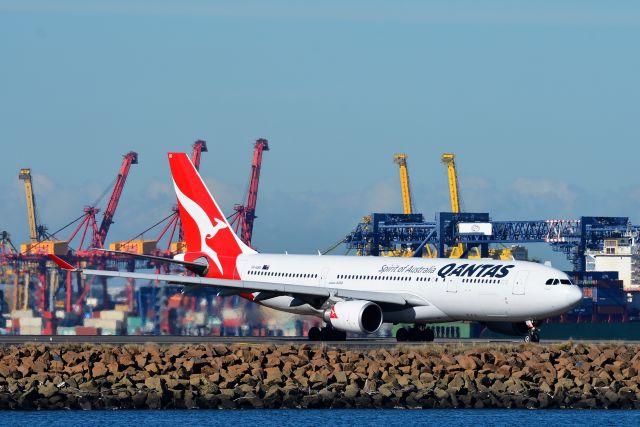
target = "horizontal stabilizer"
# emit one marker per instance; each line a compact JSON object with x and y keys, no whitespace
{"x":62,"y":263}
{"x":196,"y":267}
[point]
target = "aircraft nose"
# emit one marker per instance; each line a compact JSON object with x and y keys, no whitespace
{"x":573,"y":295}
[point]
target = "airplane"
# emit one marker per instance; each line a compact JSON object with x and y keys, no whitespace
{"x":355,"y":294}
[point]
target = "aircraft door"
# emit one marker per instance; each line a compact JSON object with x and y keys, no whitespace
{"x":324,"y":274}
{"x":520,"y":282}
{"x":452,"y":284}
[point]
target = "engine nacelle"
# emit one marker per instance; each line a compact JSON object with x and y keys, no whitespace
{"x":356,"y":316}
{"x":508,"y":328}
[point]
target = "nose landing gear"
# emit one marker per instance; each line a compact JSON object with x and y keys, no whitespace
{"x":533,"y":333}
{"x":417,"y":333}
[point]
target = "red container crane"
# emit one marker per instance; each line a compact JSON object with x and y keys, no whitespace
{"x":130,"y":158}
{"x":198,"y":147}
{"x":245,"y":214}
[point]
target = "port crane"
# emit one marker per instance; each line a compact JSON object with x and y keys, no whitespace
{"x":245,"y":214}
{"x":448,"y":159}
{"x":34,"y":254}
{"x":407,"y":202}
{"x":39,"y":238}
{"x":99,"y":237}
{"x":401,"y":160}
{"x":36,"y":231}
{"x":459,"y":250}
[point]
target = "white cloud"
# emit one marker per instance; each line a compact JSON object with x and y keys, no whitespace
{"x":382,"y":197}
{"x":157,"y":190}
{"x":225,"y":195}
{"x":544,"y":188}
{"x":42,"y":184}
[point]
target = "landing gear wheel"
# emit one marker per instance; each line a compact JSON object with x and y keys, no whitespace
{"x":326,"y":334}
{"x":535,"y":337}
{"x":429,"y":335}
{"x":315,"y":334}
{"x":330,"y":334}
{"x":415,"y":334}
{"x":402,"y":335}
{"x":532,"y":337}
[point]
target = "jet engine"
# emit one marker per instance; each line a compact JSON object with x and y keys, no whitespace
{"x":354,"y":316}
{"x":508,"y":328}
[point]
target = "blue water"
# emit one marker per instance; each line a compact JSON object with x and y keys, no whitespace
{"x":323,"y":418}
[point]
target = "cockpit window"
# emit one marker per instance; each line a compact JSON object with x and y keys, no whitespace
{"x":549,"y":282}
{"x":565,"y":281}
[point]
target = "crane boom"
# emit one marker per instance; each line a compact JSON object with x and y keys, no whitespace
{"x":25,"y":175}
{"x":252,"y":199}
{"x":245,"y":214}
{"x":401,"y":160}
{"x":198,"y":147}
{"x":130,"y":158}
{"x":449,"y":160}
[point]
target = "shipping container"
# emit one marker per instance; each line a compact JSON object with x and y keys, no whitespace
{"x":134,"y":326}
{"x":30,"y":322}
{"x":16,"y":314}
{"x":140,"y":247}
{"x":103,"y":323}
{"x":87,"y":331}
{"x":30,"y":330}
{"x":112,"y":315}
{"x":57,"y":247}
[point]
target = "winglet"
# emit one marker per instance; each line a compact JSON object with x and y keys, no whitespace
{"x":62,"y":263}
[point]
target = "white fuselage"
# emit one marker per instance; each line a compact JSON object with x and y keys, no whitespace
{"x":444,"y":289}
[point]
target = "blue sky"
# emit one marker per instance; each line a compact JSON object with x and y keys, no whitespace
{"x":539,"y":101}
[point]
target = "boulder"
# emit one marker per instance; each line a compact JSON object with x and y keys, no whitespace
{"x":47,"y":390}
{"x":99,"y":370}
{"x":351,"y":391}
{"x":340,"y":377}
{"x":154,"y":383}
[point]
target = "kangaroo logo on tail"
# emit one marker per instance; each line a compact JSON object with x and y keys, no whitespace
{"x":205,"y":228}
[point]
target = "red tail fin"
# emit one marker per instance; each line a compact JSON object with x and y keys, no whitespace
{"x":206,"y":230}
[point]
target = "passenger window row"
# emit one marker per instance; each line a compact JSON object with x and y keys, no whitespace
{"x":481,"y":281}
{"x":277,"y":274}
{"x":364,"y":277}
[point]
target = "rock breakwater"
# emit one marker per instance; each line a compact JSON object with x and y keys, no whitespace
{"x":304,"y":376}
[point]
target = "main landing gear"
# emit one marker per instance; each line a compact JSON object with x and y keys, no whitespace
{"x":417,"y":333}
{"x":326,"y":333}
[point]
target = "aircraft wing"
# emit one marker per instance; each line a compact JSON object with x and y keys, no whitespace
{"x":393,"y":298}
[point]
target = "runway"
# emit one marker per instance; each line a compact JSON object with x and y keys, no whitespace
{"x":7,"y":340}
{"x":181,"y":339}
